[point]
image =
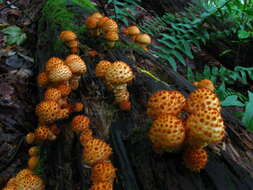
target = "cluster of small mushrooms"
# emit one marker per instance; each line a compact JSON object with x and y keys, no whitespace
{"x":70,"y":38}
{"x":116,"y":76}
{"x":203,"y":125}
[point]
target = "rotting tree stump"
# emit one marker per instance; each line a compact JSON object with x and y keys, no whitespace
{"x":230,"y":163}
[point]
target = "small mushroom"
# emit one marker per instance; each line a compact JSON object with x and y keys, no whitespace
{"x":80,"y":123}
{"x":205,"y":83}
{"x":30,"y":182}
{"x":64,"y":89}
{"x":73,"y":45}
{"x":103,"y":172}
{"x":33,"y":162}
{"x":109,"y":25}
{"x":52,"y":62}
{"x":30,"y":138}
{"x":143,"y":40}
{"x":132,"y":32}
{"x":101,"y":68}
{"x":111,"y":37}
{"x":92,"y":24}
{"x":52,"y":94}
{"x":42,"y":80}
{"x":68,"y":35}
{"x":78,"y":107}
{"x":33,"y":151}
{"x":59,"y":73}
{"x":43,"y":133}
{"x":85,"y":136}
{"x":102,"y":186}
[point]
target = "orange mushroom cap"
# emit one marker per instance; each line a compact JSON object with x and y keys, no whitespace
{"x":102,"y":186}
{"x":78,"y":107}
{"x":102,"y":21}
{"x":202,"y":97}
{"x":10,"y":187}
{"x":144,"y":39}
{"x":85,"y":136}
{"x":43,"y":133}
{"x":76,"y":64}
{"x":59,"y":73}
{"x":92,"y":22}
{"x":52,"y":62}
{"x":167,"y":132}
{"x":119,"y":73}
{"x":132,"y":30}
{"x":80,"y":123}
{"x":102,"y":67}
{"x":64,"y":89}
{"x":33,"y":162}
{"x":195,"y":159}
{"x":22,"y":173}
{"x":109,"y":25}
{"x":103,"y":172}
{"x":165,"y":102}
{"x":11,"y":181}
{"x":42,"y":80}
{"x":30,"y":182}
{"x":68,"y":35}
{"x":111,"y":36}
{"x":33,"y":151}
{"x":96,"y":150}
{"x":97,"y":15}
{"x":205,"y":83}
{"x":73,"y":44}
{"x":30,"y":137}
{"x":52,"y":94}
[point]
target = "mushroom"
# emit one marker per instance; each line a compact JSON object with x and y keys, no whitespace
{"x":73,"y":45}
{"x":43,"y":133}
{"x":22,"y":173}
{"x":101,"y":68}
{"x":85,"y":136}
{"x":167,"y":133}
{"x":29,"y":138}
{"x":59,"y":73}
{"x":132,"y":31}
{"x":97,"y":15}
{"x":78,"y":107}
{"x":71,"y":39}
{"x":165,"y":102}
{"x":96,"y":150}
{"x":11,"y":181}
{"x":33,"y":151}
{"x":205,"y":83}
{"x":31,"y":182}
{"x":42,"y":80}
{"x":109,"y":25}
{"x":102,"y":186}
{"x":92,"y":24}
{"x":80,"y":123}
{"x":111,"y":37}
{"x":103,"y":172}
{"x":195,"y":159}
{"x":33,"y":162}
{"x":204,"y":127}
{"x":52,"y":62}
{"x":202,"y":97}
{"x":52,"y":94}
{"x":65,"y":89}
{"x":143,"y":40}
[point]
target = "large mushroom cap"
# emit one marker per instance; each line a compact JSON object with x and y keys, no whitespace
{"x":96,"y":150}
{"x":68,"y":35}
{"x":205,"y":127}
{"x":110,"y":25}
{"x":59,"y":73}
{"x":202,"y":97}
{"x":165,"y":102}
{"x":102,"y":67}
{"x":76,"y":64}
{"x":143,"y":39}
{"x":167,"y":132}
{"x":23,"y":173}
{"x":132,"y":30}
{"x":119,"y":73}
{"x":91,"y":22}
{"x":43,"y":133}
{"x":52,"y":62}
{"x":30,"y":182}
{"x":195,"y":159}
{"x":52,"y":94}
{"x":80,"y":123}
{"x":103,"y":172}
{"x":102,"y":186}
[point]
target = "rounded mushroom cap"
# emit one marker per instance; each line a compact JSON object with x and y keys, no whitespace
{"x":30,"y":182}
{"x":103,"y":172}
{"x":80,"y":123}
{"x":165,"y":102}
{"x":102,"y":21}
{"x":47,"y":111}
{"x":52,"y":94}
{"x":29,"y":138}
{"x":132,"y":30}
{"x":78,"y":107}
{"x":97,"y":15}
{"x":64,"y":89}
{"x":23,"y":173}
{"x":33,"y":151}
{"x":43,"y":133}
{"x":109,"y":25}
{"x":205,"y":83}
{"x":52,"y":62}
{"x":205,"y":126}
{"x":111,"y":36}
{"x":195,"y":159}
{"x":102,"y":67}
{"x":85,"y":136}
{"x":59,"y":73}
{"x":91,"y":22}
{"x":119,"y":73}
{"x":76,"y":64}
{"x":102,"y":186}
{"x":96,"y":150}
{"x":167,"y":132}
{"x":33,"y":162}
{"x":143,"y":39}
{"x":202,"y":97}
{"x":42,"y":80}
{"x":67,"y":35}
{"x":73,"y":44}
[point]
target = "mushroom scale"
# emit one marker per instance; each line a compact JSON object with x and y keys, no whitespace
{"x":76,"y":64}
{"x":52,"y":62}
{"x":101,"y":68}
{"x":85,"y":136}
{"x":59,"y":73}
{"x":52,"y":94}
{"x":43,"y":133}
{"x":80,"y":123}
{"x":102,"y":186}
{"x":30,"y":182}
{"x":103,"y":172}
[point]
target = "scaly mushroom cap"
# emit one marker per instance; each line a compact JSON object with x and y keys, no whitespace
{"x":59,"y":73}
{"x":102,"y":21}
{"x":68,"y":35}
{"x":132,"y":30}
{"x":63,"y":114}
{"x":205,"y":127}
{"x":103,"y":172}
{"x":80,"y":123}
{"x":29,"y":138}
{"x":167,"y":132}
{"x":165,"y":102}
{"x":97,"y":15}
{"x":33,"y":162}
{"x":144,"y":39}
{"x":47,"y":111}
{"x":91,"y":22}
{"x":102,"y":67}
{"x":42,"y":80}
{"x":43,"y":133}
{"x":33,"y":151}
{"x":202,"y":97}
{"x":65,"y":89}
{"x":52,"y":62}
{"x":23,"y":173}
{"x":10,"y":187}
{"x":102,"y":186}
{"x":78,"y":107}
{"x":195,"y":159}
{"x":30,"y":182}
{"x":96,"y":150}
{"x":205,"y":83}
{"x":111,"y":36}
{"x":52,"y":94}
{"x":119,"y":73}
{"x":73,"y":44}
{"x":76,"y":64}
{"x":85,"y":136}
{"x":109,"y":25}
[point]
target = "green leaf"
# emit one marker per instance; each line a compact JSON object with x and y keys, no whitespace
{"x":242,"y":34}
{"x":248,"y":113}
{"x":14,"y":35}
{"x":187,"y":49}
{"x":232,"y":101}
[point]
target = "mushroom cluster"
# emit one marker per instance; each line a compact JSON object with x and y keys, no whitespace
{"x":116,"y":76}
{"x":104,"y":26}
{"x":96,"y":154}
{"x":203,"y":125}
{"x":141,"y":39}
{"x":70,"y":38}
